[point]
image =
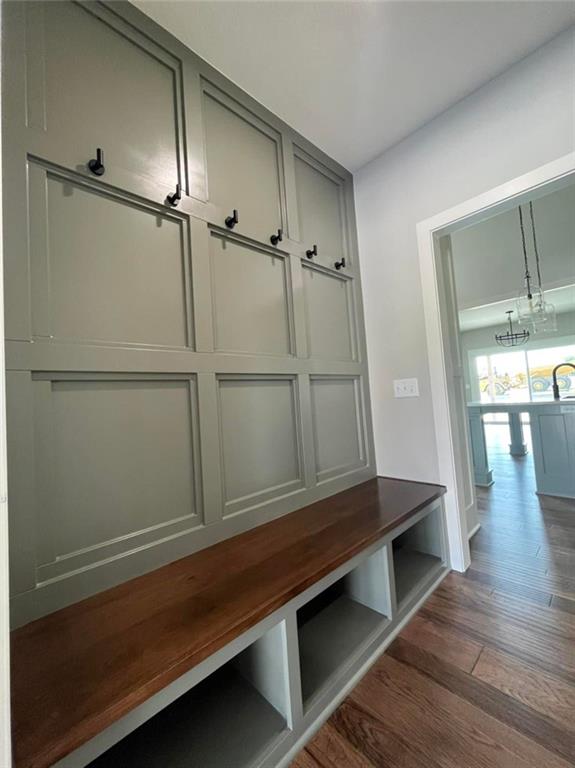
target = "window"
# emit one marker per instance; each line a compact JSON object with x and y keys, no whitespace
{"x":523,"y":375}
{"x":541,"y":363}
{"x":503,"y":377}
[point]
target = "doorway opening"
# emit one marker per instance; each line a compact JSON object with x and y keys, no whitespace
{"x":521,"y":443}
{"x":460,"y":429}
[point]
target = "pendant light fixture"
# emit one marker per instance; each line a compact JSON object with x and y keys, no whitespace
{"x":511,"y":338}
{"x":532,"y":309}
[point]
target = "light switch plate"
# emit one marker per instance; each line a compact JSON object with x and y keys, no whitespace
{"x":405,"y":388}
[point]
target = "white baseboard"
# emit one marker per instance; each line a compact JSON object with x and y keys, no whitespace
{"x":473,"y":531}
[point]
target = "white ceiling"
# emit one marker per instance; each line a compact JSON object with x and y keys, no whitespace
{"x":563,"y":299}
{"x":356,"y":77}
{"x":488,"y":259}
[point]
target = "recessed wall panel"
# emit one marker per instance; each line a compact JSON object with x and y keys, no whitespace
{"x":243,"y":166}
{"x":337,"y":425}
{"x":319,"y":206}
{"x":116,"y":459}
{"x":104,"y":87}
{"x":251,"y":296}
{"x":260,"y":442}
{"x":109,"y":270}
{"x":328,"y":315}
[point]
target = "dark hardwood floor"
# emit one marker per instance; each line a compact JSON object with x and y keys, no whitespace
{"x":484,"y":675}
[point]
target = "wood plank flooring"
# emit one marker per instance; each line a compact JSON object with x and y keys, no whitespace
{"x":484,"y":675}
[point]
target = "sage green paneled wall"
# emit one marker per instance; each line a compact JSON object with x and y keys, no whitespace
{"x":172,"y":380}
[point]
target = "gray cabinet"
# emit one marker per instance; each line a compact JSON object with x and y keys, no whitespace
{"x":321,"y":209}
{"x":172,"y":380}
{"x":553,"y":435}
{"x":243,"y":156}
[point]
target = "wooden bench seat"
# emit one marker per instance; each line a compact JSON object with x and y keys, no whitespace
{"x":80,"y":669}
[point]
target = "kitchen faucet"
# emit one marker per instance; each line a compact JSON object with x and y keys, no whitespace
{"x":556,"y":395}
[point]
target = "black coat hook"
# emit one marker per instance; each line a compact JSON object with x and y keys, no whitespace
{"x":176,"y":197}
{"x":312,"y":252}
{"x":275,"y":239}
{"x":339,"y":264}
{"x":232,"y":220}
{"x":96,"y":165}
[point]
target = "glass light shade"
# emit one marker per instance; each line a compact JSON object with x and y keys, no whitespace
{"x":526,"y":304}
{"x":539,"y":315}
{"x":544,"y":319}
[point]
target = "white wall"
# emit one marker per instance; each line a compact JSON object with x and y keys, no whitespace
{"x":515,"y":123}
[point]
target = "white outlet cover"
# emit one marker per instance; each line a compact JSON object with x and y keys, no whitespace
{"x":405,"y":388}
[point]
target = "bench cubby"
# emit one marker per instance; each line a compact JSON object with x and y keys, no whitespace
{"x":233,"y":717}
{"x":418,"y":556}
{"x":335,"y":625}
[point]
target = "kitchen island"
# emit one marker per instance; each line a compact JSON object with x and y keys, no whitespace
{"x":553,"y":438}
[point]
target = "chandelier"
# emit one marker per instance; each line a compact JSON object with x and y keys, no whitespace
{"x":532,"y":309}
{"x":511,"y":338}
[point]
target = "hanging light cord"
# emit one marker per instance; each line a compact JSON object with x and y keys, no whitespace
{"x":535,"y":245}
{"x":527,"y":275}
